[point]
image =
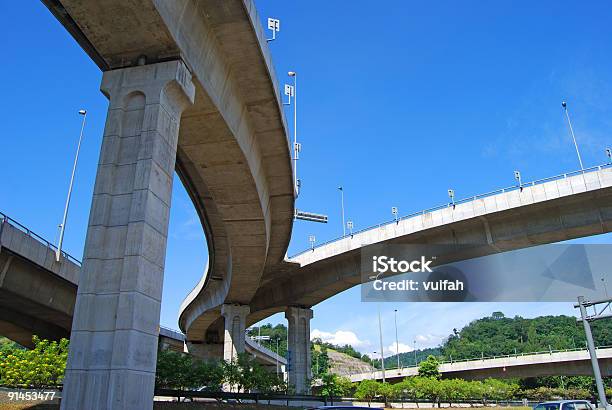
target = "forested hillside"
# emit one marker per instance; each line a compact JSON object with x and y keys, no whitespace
{"x":494,"y":335}
{"x":409,"y":359}
{"x":498,"y":335}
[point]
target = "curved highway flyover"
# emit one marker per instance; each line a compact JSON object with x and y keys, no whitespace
{"x":191,"y":88}
{"x":556,"y":209}
{"x":547,"y":211}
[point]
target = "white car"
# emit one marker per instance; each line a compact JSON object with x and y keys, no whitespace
{"x":565,"y":405}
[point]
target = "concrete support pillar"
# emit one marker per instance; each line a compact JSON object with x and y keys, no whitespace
{"x":235,"y":325}
{"x":206,"y":351}
{"x":299,"y":358}
{"x":113,"y":344}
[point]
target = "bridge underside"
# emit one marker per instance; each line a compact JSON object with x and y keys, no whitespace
{"x":569,"y":368}
{"x":566,"y":368}
{"x":564,"y":363}
{"x":334,"y":268}
{"x":33,"y":300}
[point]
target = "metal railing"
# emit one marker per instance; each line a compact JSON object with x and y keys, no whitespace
{"x":458,"y":202}
{"x":7,"y":219}
{"x":483,"y":357}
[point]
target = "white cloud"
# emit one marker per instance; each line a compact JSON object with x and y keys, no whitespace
{"x":392,"y":349}
{"x":340,"y":337}
{"x":428,"y":340}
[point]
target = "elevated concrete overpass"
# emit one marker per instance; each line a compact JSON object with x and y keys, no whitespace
{"x":546,"y":211}
{"x":555,"y":209}
{"x":192,"y":89}
{"x":562,"y":363}
{"x":37,"y":294}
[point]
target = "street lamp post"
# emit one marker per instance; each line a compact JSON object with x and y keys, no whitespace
{"x":382,"y":349}
{"x":395,"y":212}
{"x":277,"y":366}
{"x":415,"y":353}
{"x":296,"y":146}
{"x":58,"y":251}
{"x":342,"y":207}
{"x":396,"y":340}
{"x":564,"y":105}
{"x":312,"y":239}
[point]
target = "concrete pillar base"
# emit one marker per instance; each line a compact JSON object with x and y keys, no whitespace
{"x":298,"y":355}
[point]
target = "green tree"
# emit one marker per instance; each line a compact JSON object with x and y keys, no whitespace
{"x":43,"y":366}
{"x":320,"y":360}
{"x":277,"y":334}
{"x":454,"y":390}
{"x":181,"y":371}
{"x":244,"y":374}
{"x":499,"y":390}
{"x":405,"y":390}
{"x":367,"y":390}
{"x":388,"y":392}
{"x":429,"y":368}
{"x":428,"y":388}
{"x":335,"y":386}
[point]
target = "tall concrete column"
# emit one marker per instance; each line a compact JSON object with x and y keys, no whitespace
{"x":113,"y":344}
{"x":299,"y":358}
{"x":206,"y":351}
{"x":235,"y":325}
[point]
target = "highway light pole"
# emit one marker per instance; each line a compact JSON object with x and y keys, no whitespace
{"x":585,"y":318}
{"x":396,"y":340}
{"x":382,"y":349}
{"x":342,"y":207}
{"x":564,"y":105}
{"x":58,"y":251}
{"x":296,"y":146}
{"x":277,"y":365}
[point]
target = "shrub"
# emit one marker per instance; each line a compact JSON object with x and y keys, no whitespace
{"x":429,"y":367}
{"x":367,"y":390}
{"x":43,"y":366}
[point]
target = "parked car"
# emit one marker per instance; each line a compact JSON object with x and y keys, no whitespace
{"x":341,"y":407}
{"x":565,"y":405}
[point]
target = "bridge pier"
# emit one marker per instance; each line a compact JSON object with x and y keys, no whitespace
{"x":234,"y":317}
{"x":113,"y":343}
{"x":205,"y":351}
{"x":299,"y":358}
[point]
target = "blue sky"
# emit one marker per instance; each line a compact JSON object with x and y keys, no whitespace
{"x":397,"y":104}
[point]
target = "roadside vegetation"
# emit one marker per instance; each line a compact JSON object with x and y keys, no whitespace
{"x":42,"y":366}
{"x":180,"y":371}
{"x":495,"y":335}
